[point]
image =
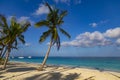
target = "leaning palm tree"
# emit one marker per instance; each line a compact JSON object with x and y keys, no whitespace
{"x":1,"y":34}
{"x":53,"y":22}
{"x":12,"y":34}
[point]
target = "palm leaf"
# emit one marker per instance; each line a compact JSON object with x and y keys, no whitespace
{"x":44,"y":36}
{"x":4,"y":21}
{"x":53,"y":20}
{"x":42,"y":23}
{"x":21,"y":38}
{"x":14,"y":47}
{"x":58,"y":42}
{"x":25,"y":26}
{"x":63,"y":13}
{"x":16,"y":43}
{"x":13,"y":21}
{"x":2,"y":38}
{"x":49,"y":7}
{"x":64,"y":32}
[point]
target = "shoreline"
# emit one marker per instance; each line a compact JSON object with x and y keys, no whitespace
{"x":71,"y":66}
{"x":27,"y":71}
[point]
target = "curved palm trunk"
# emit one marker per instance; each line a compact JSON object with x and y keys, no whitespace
{"x":6,"y":60}
{"x":45,"y":58}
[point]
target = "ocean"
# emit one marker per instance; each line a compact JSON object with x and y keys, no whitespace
{"x":101,"y":63}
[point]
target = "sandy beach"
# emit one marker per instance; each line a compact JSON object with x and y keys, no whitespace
{"x":27,"y":71}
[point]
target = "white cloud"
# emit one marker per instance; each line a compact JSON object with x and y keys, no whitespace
{"x":27,"y":44}
{"x":9,"y":18}
{"x":68,"y":1}
{"x":118,"y":42}
{"x":113,"y":33}
{"x":110,"y":37}
{"x":42,"y":10}
{"x":96,"y":24}
{"x":93,"y":24}
{"x":62,"y":1}
{"x":88,"y":39}
{"x":23,"y":18}
{"x":92,"y":36}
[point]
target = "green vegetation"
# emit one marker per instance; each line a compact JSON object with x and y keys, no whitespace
{"x":53,"y":22}
{"x":10,"y":35}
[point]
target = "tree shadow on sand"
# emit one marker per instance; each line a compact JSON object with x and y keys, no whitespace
{"x":72,"y":76}
{"x":115,"y":75}
{"x":54,"y":76}
{"x":90,"y":78}
{"x":1,"y":76}
{"x":21,"y":69}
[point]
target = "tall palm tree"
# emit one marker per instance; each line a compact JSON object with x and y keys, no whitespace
{"x":1,"y":34}
{"x":12,"y":34}
{"x":53,"y":22}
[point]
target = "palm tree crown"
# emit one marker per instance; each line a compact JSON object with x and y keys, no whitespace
{"x":10,"y":35}
{"x":53,"y":21}
{"x":13,"y":32}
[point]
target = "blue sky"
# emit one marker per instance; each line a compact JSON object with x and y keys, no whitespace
{"x":94,"y":26}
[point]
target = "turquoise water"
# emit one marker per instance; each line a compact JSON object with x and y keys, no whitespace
{"x":106,"y":63}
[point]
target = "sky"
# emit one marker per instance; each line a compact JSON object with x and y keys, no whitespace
{"x":94,"y":26}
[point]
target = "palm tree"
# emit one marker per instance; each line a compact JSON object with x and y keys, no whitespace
{"x":53,"y":22}
{"x":12,"y":34}
{"x":1,"y":34}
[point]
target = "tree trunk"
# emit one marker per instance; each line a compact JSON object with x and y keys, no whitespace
{"x":45,"y":58}
{"x":6,"y":60}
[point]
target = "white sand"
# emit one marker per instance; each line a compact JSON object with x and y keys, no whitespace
{"x":27,"y":71}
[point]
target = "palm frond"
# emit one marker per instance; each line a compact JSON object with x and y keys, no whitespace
{"x":13,"y":21}
{"x":25,"y":26}
{"x":16,"y":43}
{"x":64,"y":32}
{"x":44,"y":36}
{"x":42,"y":23}
{"x":3,"y":21}
{"x":58,"y":42}
{"x":50,"y":9}
{"x":2,"y":38}
{"x":61,"y":16}
{"x":21,"y":38}
{"x":53,"y":20}
{"x":13,"y":47}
